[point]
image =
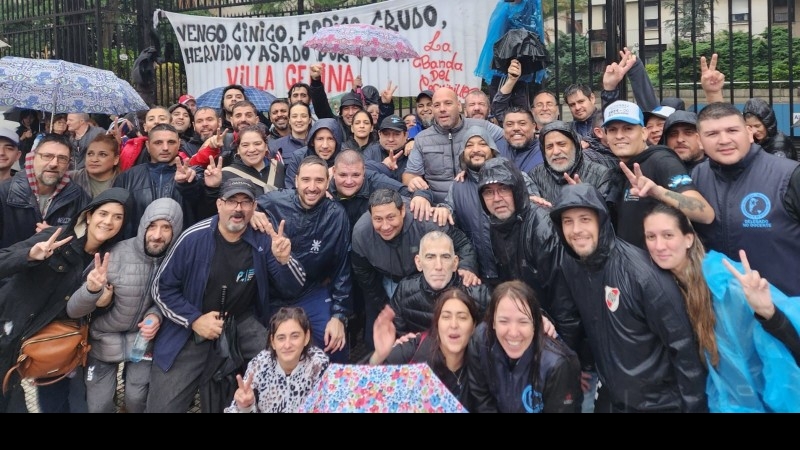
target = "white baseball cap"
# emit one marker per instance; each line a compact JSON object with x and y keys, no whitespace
{"x":11,"y":135}
{"x":623,"y":111}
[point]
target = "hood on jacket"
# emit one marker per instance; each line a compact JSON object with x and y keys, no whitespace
{"x":350,"y":99}
{"x":686,"y":117}
{"x":568,"y":131}
{"x":162,"y":208}
{"x":371,"y":95}
{"x":114,"y":194}
{"x":503,"y":171}
{"x":584,"y":195}
{"x":760,"y":109}
{"x":674,"y":102}
{"x":331,"y":125}
{"x":484,"y":134}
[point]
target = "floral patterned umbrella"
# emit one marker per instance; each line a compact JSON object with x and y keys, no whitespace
{"x":59,"y":86}
{"x":360,"y":40}
{"x":408,"y":388}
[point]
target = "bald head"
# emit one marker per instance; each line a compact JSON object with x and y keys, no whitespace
{"x":446,"y":108}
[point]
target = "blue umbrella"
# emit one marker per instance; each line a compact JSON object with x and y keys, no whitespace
{"x":213,"y":98}
{"x":59,"y":86}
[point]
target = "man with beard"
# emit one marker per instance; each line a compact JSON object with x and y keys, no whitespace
{"x":206,"y":125}
{"x":164,"y":176}
{"x":424,"y":113}
{"x":564,"y":163}
{"x":231,"y":95}
{"x":434,"y":161}
{"x":320,"y":233}
{"x":279,"y":117}
{"x":119,"y":288}
{"x":680,"y":134}
{"x":392,"y":139}
{"x":41,"y":195}
{"x":519,"y":131}
{"x":476,"y":105}
{"x":222,"y":142}
{"x":221,"y":254}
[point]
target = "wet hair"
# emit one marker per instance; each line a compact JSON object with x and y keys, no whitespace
{"x":244,"y":104}
{"x":300,"y":104}
{"x":259,"y":129}
{"x":285,"y":314}
{"x":185,"y":108}
{"x":364,"y":111}
{"x":280,"y":101}
{"x":385,"y":196}
{"x":438,"y":363}
{"x":107,"y":139}
{"x":693,"y":286}
{"x":297,"y":86}
{"x":573,"y":89}
{"x":203,"y":108}
{"x":238,"y":87}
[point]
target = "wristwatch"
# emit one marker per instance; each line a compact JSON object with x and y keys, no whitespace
{"x":342,"y":318}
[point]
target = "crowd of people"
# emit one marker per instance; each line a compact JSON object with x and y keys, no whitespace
{"x":536,"y":264}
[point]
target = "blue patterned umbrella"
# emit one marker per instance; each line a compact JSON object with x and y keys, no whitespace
{"x":63,"y":87}
{"x":213,"y":98}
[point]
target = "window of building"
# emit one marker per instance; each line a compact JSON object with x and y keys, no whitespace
{"x":739,"y":11}
{"x":651,"y":13}
{"x":650,"y":52}
{"x":576,"y":24}
{"x":780,"y":11}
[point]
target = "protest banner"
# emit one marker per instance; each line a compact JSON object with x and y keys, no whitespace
{"x":268,"y":52}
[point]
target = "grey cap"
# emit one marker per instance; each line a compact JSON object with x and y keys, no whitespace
{"x":235,"y":186}
{"x":425,"y":93}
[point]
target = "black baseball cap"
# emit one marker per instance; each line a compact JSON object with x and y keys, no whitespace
{"x":235,"y":186}
{"x":393,"y":123}
{"x":425,"y":93}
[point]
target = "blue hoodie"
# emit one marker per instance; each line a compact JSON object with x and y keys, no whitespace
{"x":293,"y":162}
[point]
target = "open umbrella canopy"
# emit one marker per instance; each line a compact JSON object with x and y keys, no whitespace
{"x":522,"y":45}
{"x":213,"y":98}
{"x":58,"y":86}
{"x":360,"y":39}
{"x":407,"y":388}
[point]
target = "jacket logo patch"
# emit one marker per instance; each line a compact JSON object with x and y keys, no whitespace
{"x":315,"y":245}
{"x":679,"y":180}
{"x":612,"y":298}
{"x":63,"y":220}
{"x":755,"y":207}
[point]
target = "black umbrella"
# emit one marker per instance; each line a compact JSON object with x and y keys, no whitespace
{"x":225,"y":360}
{"x":522,"y":45}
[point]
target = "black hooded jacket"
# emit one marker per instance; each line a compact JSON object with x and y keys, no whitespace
{"x":294,"y":160}
{"x":776,"y":142}
{"x":634,"y":316}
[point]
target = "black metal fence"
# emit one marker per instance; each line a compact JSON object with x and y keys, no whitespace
{"x":755,"y":40}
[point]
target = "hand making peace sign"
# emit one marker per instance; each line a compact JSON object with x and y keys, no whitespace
{"x":388,"y":93}
{"x":281,"y":245}
{"x":98,"y":277}
{"x":43,"y":250}
{"x":244,"y":395}
{"x":213,"y":173}
{"x":184,"y":173}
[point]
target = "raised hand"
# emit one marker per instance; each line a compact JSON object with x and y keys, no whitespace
{"x":213,"y":173}
{"x":281,"y":245}
{"x":98,"y":277}
{"x":641,"y":186}
{"x":383,"y":335}
{"x":756,"y":289}
{"x":711,"y":79}
{"x":572,"y":180}
{"x":514,"y":69}
{"x":116,"y":132}
{"x":43,"y":250}
{"x":388,"y":93}
{"x":615,"y":72}
{"x":391,"y":160}
{"x":244,"y":395}
{"x":184,"y":172}
{"x":316,"y":71}
{"x":217,"y":140}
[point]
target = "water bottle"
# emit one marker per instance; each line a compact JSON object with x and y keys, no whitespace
{"x":140,"y":344}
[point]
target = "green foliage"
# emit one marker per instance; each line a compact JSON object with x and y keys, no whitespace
{"x":168,"y":89}
{"x":571,"y":69}
{"x":692,"y":17}
{"x":564,"y":8}
{"x":740,"y":58}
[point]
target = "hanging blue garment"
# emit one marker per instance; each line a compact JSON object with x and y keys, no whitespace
{"x":526,"y":14}
{"x":756,"y":372}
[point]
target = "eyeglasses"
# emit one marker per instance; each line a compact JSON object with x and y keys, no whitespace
{"x":501,"y":190}
{"x":245,"y":204}
{"x":47,"y":157}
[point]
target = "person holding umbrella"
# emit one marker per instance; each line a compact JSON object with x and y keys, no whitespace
{"x":280,"y":377}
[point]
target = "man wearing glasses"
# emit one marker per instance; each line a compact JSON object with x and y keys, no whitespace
{"x":42,"y":195}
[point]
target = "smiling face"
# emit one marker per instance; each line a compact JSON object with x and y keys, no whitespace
{"x":299,"y":119}
{"x":235,"y":213}
{"x":311,"y":183}
{"x":279,"y":115}
{"x":243,"y":116}
{"x":348,"y":112}
{"x":437,"y":261}
{"x":666,"y":243}
{"x":477,"y":106}
{"x":348,"y":178}
{"x":545,"y":109}
{"x":252,"y":149}
{"x":518,"y":129}
{"x":559,"y":151}
{"x":9,"y":153}
{"x":626,"y":140}
{"x":757,"y":127}
{"x":476,"y":153}
{"x":288,"y":343}
{"x":455,"y":327}
{"x":425,"y":110}
{"x":513,"y":326}
{"x":725,"y":140}
{"x":581,"y":229}
{"x":206,"y":123}
{"x":387,"y":220}
{"x":180,"y":119}
{"x":104,"y":223}
{"x":655,"y":128}
{"x":324,"y":143}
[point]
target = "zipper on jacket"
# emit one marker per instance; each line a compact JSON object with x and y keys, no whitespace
{"x":452,"y":153}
